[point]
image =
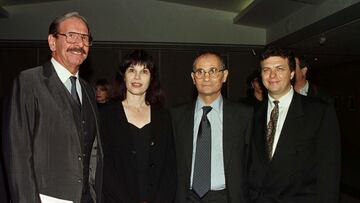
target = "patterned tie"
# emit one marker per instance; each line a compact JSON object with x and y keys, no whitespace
{"x":271,"y":128}
{"x":202,"y":165}
{"x":74,"y":93}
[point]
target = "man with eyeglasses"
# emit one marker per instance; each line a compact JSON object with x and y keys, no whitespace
{"x":211,"y":135}
{"x":53,"y":122}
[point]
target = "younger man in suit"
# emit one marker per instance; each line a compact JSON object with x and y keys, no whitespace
{"x":210,"y":138}
{"x":295,"y":149}
{"x":53,"y":121}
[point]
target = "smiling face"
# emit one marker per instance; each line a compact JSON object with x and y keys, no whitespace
{"x":71,"y":56}
{"x":137,"y":79}
{"x":276,"y":76}
{"x":209,"y":88}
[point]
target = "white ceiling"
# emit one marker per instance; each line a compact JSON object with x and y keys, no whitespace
{"x":341,"y":31}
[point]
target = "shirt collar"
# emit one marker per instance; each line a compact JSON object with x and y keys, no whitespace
{"x":62,"y":72}
{"x":216,"y":104}
{"x":284,"y":101}
{"x":304,"y":90}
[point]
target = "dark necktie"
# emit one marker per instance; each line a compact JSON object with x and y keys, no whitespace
{"x":202,"y":165}
{"x":74,"y":93}
{"x":271,"y":128}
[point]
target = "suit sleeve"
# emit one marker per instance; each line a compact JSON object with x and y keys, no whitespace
{"x":328,"y":146}
{"x":18,"y":141}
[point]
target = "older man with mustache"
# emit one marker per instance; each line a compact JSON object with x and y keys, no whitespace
{"x":53,"y":122}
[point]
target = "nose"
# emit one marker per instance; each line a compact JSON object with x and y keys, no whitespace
{"x":206,"y":76}
{"x":137,"y":74}
{"x":272,"y":73}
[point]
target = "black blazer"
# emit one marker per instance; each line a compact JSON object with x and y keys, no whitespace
{"x":237,"y":120}
{"x":120,"y":177}
{"x":41,"y":140}
{"x":306,"y":163}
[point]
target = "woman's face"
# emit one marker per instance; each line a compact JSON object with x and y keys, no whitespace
{"x":102,"y":94}
{"x":137,"y":79}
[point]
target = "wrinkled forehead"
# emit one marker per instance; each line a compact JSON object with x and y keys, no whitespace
{"x":207,"y":61}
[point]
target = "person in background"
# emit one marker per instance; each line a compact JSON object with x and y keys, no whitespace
{"x":103,"y":91}
{"x":256,"y":91}
{"x":303,"y":86}
{"x":295,"y":148}
{"x":53,"y":121}
{"x":139,"y":154}
{"x":211,"y":135}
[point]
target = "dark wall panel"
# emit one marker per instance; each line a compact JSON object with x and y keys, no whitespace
{"x":241,"y":64}
{"x":175,"y":71}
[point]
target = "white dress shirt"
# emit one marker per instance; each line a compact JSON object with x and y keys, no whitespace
{"x":64,"y":76}
{"x":215,"y":117}
{"x":284,"y":103}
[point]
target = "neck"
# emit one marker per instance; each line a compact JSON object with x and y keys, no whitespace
{"x":137,"y":101}
{"x":299,"y":84}
{"x":208,"y":99}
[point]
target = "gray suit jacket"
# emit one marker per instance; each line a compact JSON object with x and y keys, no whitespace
{"x":237,"y":121}
{"x":41,"y":141}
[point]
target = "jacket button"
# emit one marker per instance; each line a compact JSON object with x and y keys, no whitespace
{"x":79,"y":180}
{"x":133,"y":152}
{"x":152,"y":143}
{"x":80,"y":158}
{"x":152,"y":165}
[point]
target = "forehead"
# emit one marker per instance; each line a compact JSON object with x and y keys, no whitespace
{"x":73,"y":24}
{"x":207,"y":61}
{"x":274,"y":61}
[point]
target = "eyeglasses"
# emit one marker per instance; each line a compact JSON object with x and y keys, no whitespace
{"x":72,"y":37}
{"x":213,"y":72}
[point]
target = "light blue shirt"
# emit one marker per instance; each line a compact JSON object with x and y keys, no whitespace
{"x":64,"y":76}
{"x":215,"y":117}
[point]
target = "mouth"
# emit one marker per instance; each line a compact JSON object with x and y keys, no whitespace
{"x":77,"y":51}
{"x":136,"y":84}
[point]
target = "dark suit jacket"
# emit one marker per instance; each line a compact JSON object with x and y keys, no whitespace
{"x":41,"y":141}
{"x":120,"y":184}
{"x":237,"y":120}
{"x":306,"y":164}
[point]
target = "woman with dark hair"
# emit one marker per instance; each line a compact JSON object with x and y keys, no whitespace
{"x":139,"y":154}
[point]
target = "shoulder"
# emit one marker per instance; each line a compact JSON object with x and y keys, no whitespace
{"x":110,"y":108}
{"x":181,"y":108}
{"x":239,"y":107}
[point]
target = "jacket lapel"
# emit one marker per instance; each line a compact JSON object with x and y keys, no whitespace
{"x":230,"y":131}
{"x":59,"y":94}
{"x":291,"y":125}
{"x":188,"y":123}
{"x":260,"y":132}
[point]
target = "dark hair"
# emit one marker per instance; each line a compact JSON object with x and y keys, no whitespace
{"x":102,"y":82}
{"x":302,"y":61}
{"x":204,"y":53}
{"x":154,"y":94}
{"x":281,"y":52}
{"x":54,"y":26}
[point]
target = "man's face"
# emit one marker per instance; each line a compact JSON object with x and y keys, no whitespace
{"x":209,"y":86}
{"x":276,"y":76}
{"x":71,"y":56}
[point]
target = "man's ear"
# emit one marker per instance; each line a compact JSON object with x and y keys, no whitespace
{"x":52,"y":42}
{"x":192,"y":77}
{"x":226,"y":73}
